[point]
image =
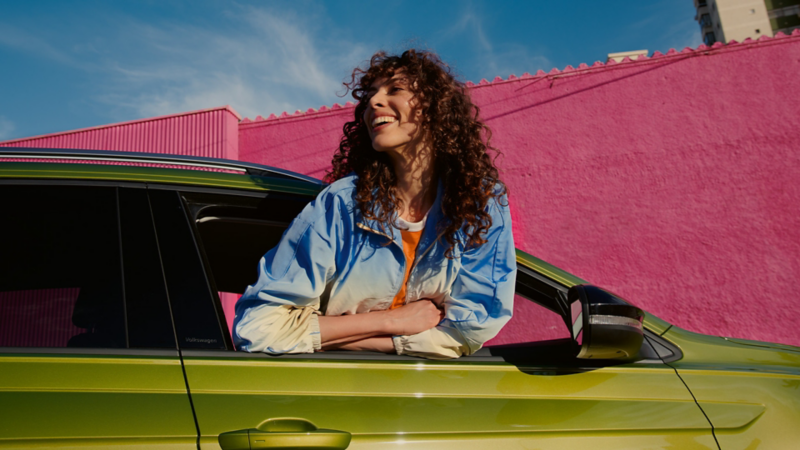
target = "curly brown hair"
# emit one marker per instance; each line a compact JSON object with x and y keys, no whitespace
{"x":460,"y":155}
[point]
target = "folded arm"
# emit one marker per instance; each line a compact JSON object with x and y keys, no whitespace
{"x":373,"y":330}
{"x":480,"y":301}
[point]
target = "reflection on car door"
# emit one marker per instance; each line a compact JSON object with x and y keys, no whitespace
{"x":469,"y":403}
{"x":87,"y":348}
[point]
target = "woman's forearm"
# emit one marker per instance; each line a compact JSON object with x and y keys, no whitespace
{"x":349,"y":327}
{"x":412,"y":318}
{"x":383,"y":344}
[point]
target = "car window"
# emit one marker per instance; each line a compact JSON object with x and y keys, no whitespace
{"x":531,"y":323}
{"x":62,"y":282}
{"x":235,"y":232}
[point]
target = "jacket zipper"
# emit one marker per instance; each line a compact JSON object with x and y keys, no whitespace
{"x":417,"y":258}
{"x":413,"y":263}
{"x":364,"y":227}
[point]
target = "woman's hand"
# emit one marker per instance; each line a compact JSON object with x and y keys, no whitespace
{"x":413,"y":318}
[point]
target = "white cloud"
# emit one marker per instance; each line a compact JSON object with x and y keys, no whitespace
{"x":256,"y":59}
{"x":678,"y":35}
{"x":270,"y":64}
{"x":496,"y":59}
{"x":469,"y":23}
{"x":17,"y":39}
{"x":7,"y":127}
{"x":682,"y":35}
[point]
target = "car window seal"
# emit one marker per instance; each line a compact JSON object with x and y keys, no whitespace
{"x":206,"y":190}
{"x":539,"y":277}
{"x":666,"y":359}
{"x":122,"y":271}
{"x":89,"y":351}
{"x":71,"y":182}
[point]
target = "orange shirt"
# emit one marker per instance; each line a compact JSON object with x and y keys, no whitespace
{"x":410,"y":243}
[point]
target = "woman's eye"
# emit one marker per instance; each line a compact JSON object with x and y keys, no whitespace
{"x":395,"y":89}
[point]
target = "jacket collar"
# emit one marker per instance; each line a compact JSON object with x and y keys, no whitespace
{"x":429,"y":235}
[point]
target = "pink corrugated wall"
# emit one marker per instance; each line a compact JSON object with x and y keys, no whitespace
{"x":670,"y":180}
{"x":37,"y":318}
{"x":211,"y":133}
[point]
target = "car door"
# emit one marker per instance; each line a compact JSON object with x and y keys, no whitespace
{"x":87,"y":348}
{"x":524,"y":392}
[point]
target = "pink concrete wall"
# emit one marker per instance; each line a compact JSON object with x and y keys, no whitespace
{"x":211,"y":132}
{"x":303,"y":142}
{"x":671,"y":180}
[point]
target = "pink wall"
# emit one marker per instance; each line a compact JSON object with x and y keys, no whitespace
{"x":210,"y":132}
{"x":671,"y":180}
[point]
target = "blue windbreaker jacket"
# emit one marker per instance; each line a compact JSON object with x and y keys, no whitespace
{"x":333,"y":261}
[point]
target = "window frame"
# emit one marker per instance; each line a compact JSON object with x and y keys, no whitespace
{"x":116,"y":185}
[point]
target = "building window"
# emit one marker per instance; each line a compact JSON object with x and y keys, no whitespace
{"x":705,"y":21}
{"x":701,"y":3}
{"x":709,"y":38}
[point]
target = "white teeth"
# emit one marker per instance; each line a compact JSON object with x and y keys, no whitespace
{"x":382,"y":119}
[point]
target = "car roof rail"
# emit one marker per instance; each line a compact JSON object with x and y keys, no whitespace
{"x":155,"y":158}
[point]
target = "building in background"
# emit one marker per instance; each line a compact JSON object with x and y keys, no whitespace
{"x":619,"y":56}
{"x":727,"y":20}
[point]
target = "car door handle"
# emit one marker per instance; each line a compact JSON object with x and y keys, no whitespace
{"x":285,"y":433}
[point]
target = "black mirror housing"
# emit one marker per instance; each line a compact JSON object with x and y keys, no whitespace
{"x":603,"y":326}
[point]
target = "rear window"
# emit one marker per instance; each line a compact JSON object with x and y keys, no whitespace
{"x":80,"y":269}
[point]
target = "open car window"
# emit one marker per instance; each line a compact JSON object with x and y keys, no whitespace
{"x":234,"y":232}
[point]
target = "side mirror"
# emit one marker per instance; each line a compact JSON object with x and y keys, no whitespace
{"x":603,"y":325}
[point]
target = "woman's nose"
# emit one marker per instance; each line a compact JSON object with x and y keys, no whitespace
{"x":378,"y":99}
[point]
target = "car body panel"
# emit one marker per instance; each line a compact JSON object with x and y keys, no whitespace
{"x":751,"y":394}
{"x":418,"y":402}
{"x":108,"y":400}
{"x":749,"y":391}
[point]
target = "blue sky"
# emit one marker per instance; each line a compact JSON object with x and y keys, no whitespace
{"x":67,"y":65}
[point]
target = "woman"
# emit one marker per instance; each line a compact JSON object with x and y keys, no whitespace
{"x":409,"y":250}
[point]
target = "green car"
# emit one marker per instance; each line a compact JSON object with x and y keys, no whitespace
{"x":118,"y":272}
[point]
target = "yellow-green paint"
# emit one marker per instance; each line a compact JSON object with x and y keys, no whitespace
{"x":750,"y":393}
{"x":380,"y":402}
{"x":550,"y":271}
{"x":73,"y":400}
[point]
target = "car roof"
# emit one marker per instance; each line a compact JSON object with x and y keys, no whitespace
{"x":48,"y":163}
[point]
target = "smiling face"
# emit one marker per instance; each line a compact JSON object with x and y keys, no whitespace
{"x":392,"y":115}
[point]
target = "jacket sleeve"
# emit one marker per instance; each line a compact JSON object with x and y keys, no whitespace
{"x":279,"y":313}
{"x":480,"y":300}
